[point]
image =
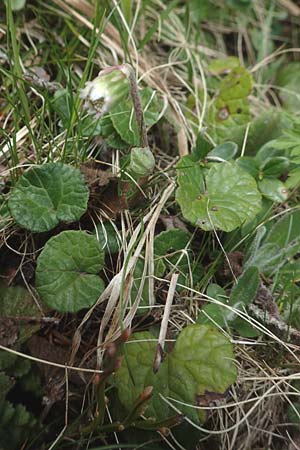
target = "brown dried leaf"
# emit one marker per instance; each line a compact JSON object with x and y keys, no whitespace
{"x":41,"y":348}
{"x":236,"y":264}
{"x":8,"y":332}
{"x":94,"y":175}
{"x":265,"y":300}
{"x":209,"y":398}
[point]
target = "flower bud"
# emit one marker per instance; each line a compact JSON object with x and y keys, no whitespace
{"x":142,"y":161}
{"x":109,"y":88}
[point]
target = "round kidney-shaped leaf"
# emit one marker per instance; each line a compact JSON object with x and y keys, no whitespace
{"x":224,"y":197}
{"x":67,"y":271}
{"x":201,"y":363}
{"x":48,"y":194}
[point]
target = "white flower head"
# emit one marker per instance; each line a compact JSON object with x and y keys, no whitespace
{"x":108,"y":88}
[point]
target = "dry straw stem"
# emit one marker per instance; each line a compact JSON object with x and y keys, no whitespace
{"x":164,"y":322}
{"x":112,"y":292}
{"x":45,"y":361}
{"x":291,"y":6}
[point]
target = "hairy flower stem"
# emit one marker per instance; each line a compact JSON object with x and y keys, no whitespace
{"x":136,"y":100}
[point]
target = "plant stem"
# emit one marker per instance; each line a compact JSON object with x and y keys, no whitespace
{"x":137,"y":104}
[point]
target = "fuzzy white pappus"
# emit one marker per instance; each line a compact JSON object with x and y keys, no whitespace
{"x":108,"y":88}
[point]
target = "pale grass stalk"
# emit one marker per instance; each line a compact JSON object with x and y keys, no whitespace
{"x":164,"y":437}
{"x":273,"y":55}
{"x":111,"y":421}
{"x":274,"y":216}
{"x":176,"y":442}
{"x":149,"y":257}
{"x":244,"y":315}
{"x":231,"y":404}
{"x":164,"y":322}
{"x":291,"y":6}
{"x":153,"y":215}
{"x":49,"y":363}
{"x":112,"y":291}
{"x":169,"y":401}
{"x":245,"y":139}
{"x":204,"y":105}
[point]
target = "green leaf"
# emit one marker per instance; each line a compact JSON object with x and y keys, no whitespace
{"x":268,"y":151}
{"x":244,"y":291}
{"x":90,"y":126}
{"x":127,"y":7}
{"x":202,"y":361}
{"x":285,"y":230}
{"x":67,"y":271}
{"x":16,"y":425}
{"x":274,"y":167}
{"x":230,"y":198}
{"x":236,"y":85}
{"x":212,"y":313}
{"x":6,"y":383}
{"x":191,"y":185}
{"x":293,"y":414}
{"x":289,"y":143}
{"x":172,"y":254}
{"x":264,"y":128}
{"x":224,"y":151}
{"x":136,"y":373}
{"x":263,"y":214}
{"x":254,"y":246}
{"x":47,"y":195}
{"x":267,"y":258}
{"x":170,"y":241}
{"x":273,"y":189}
{"x":142,"y":161}
{"x":16,"y":301}
{"x":62,"y":105}
{"x":288,"y":78}
{"x":290,"y":273}
{"x":201,"y":149}
{"x":223,"y":66}
{"x":108,"y":238}
{"x":107,"y":131}
{"x":249,"y":164}
{"x":230,"y":107}
{"x":293,"y":180}
{"x":124,"y":120}
{"x":17,"y":5}
{"x":281,"y":244}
